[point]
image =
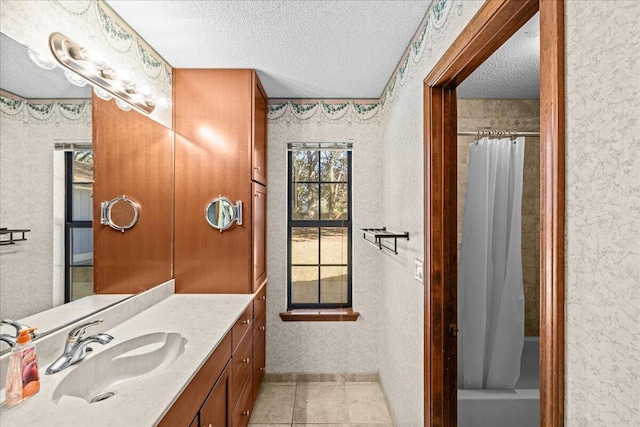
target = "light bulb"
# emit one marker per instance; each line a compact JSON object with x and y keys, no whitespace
{"x":123,"y":105}
{"x":98,"y":57}
{"x":126,"y":77}
{"x":163,"y":102}
{"x":42,"y":61}
{"x":101,"y":93}
{"x":147,"y":91}
{"x":74,"y":78}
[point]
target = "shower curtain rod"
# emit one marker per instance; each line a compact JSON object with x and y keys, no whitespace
{"x":505,"y":133}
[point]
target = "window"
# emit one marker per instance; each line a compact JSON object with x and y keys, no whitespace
{"x":319,"y":231}
{"x":78,"y":221}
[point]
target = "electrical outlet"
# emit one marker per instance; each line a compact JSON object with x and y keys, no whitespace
{"x":419,"y":271}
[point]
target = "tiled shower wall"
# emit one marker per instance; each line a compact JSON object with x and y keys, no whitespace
{"x":518,"y":115}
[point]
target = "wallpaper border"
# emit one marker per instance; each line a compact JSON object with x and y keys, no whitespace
{"x":15,"y":108}
{"x":334,"y":112}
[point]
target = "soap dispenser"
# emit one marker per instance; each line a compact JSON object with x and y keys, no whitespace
{"x":22,"y":377}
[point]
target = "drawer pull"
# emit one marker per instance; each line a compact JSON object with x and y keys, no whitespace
{"x":246,"y":322}
{"x":246,"y":413}
{"x":263,"y":369}
{"x":247,"y":360}
{"x":263,"y":297}
{"x":262,"y":328}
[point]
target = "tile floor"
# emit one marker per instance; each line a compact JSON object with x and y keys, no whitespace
{"x":321,"y":404}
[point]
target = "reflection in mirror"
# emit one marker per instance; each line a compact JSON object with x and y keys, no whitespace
{"x":221,"y":213}
{"x":46,"y":183}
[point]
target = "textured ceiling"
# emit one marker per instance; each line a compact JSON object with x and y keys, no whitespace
{"x":20,"y":76}
{"x":301,"y":49}
{"x":513,"y":71}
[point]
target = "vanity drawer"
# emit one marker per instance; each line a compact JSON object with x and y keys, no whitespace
{"x":259,"y":369}
{"x":242,"y":412}
{"x":242,"y":325}
{"x":260,"y":303}
{"x":241,"y":366}
{"x":259,"y":333}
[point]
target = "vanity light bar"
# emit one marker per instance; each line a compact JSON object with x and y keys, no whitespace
{"x":73,"y":57}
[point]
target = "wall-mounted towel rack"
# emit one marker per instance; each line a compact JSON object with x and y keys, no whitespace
{"x":379,"y":234}
{"x":12,"y":240}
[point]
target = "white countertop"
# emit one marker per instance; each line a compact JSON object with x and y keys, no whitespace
{"x":203,"y":319}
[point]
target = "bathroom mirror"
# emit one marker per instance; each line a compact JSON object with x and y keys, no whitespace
{"x":221,"y":213}
{"x":121,"y":213}
{"x":46,"y":170}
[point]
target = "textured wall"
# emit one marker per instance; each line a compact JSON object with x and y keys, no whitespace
{"x":401,"y":342}
{"x":603,"y":213}
{"x":520,"y":115}
{"x":388,"y":184}
{"x":28,"y":133}
{"x":324,"y":347}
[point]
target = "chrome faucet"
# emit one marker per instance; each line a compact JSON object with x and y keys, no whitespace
{"x":77,"y":348}
{"x":8,"y":339}
{"x":18,"y":326}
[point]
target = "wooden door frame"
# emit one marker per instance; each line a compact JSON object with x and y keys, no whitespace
{"x":495,"y":22}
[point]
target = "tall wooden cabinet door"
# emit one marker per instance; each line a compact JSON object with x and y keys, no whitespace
{"x":259,"y":140}
{"x":259,"y":235}
{"x":212,"y":124}
{"x":216,"y":411}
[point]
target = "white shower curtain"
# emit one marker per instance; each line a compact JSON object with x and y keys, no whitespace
{"x":490,"y":293}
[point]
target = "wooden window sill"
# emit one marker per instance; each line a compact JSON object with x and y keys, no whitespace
{"x":320,"y":315}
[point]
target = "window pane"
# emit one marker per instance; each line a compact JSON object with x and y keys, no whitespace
{"x":334,"y":245}
{"x":305,"y":201}
{"x":81,"y":282}
{"x":334,"y":201}
{"x":305,"y":165}
{"x":82,"y":206}
{"x":81,"y":246}
{"x":304,"y":245}
{"x":333,"y":281}
{"x":82,"y":166}
{"x":333,"y":166}
{"x":304,"y":285}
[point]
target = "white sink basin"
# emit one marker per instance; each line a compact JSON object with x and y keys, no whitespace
{"x":99,"y":376}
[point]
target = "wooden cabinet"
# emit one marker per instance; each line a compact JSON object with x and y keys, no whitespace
{"x":220,"y":147}
{"x":241,"y":366}
{"x":242,"y":412}
{"x":223,"y":392}
{"x":259,"y":141}
{"x":259,"y":340}
{"x":188,"y":404}
{"x":241,"y":327}
{"x":259,"y":235}
{"x":215,"y":411}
